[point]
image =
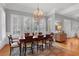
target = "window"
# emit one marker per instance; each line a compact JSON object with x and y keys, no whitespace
{"x":16,"y":24}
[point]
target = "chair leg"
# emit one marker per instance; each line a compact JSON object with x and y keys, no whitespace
{"x":20,"y":50}
{"x":52,"y":41}
{"x":45,"y":45}
{"x":49,"y":44}
{"x":37,"y":47}
{"x":42,"y":47}
{"x":25,"y":50}
{"x":32,"y":48}
{"x":10,"y":51}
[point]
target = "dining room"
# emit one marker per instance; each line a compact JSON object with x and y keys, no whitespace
{"x":39,"y":29}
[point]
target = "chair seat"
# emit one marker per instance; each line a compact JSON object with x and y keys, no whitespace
{"x":15,"y":44}
{"x":15,"y":40}
{"x":28,"y":44}
{"x":40,"y":43}
{"x":47,"y":41}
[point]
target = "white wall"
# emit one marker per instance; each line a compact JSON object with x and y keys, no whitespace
{"x":51,"y":24}
{"x":67,"y":27}
{"x":70,"y":25}
{"x":2,"y":27}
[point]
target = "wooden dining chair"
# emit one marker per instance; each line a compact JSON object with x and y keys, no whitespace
{"x":29,"y":43}
{"x":51,"y":38}
{"x":27,"y":34}
{"x":47,"y":40}
{"x":13,"y":44}
{"x":22,"y":45}
{"x":40,"y":42}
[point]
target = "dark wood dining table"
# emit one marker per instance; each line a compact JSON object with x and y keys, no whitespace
{"x":22,"y":41}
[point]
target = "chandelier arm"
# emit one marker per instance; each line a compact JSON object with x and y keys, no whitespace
{"x":38,"y":13}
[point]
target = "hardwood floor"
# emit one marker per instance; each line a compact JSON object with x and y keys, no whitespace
{"x":69,"y":48}
{"x":5,"y":50}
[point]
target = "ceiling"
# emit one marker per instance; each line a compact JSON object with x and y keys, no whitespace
{"x":67,"y":9}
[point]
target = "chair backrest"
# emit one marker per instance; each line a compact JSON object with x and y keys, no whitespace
{"x":29,"y":39}
{"x":40,"y":33}
{"x":52,"y":33}
{"x":33,"y":33}
{"x":10,"y":39}
{"x":22,"y":40}
{"x":47,"y":36}
{"x":26,"y":34}
{"x":40,"y":37}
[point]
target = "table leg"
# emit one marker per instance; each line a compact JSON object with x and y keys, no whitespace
{"x":25,"y":50}
{"x":20,"y":49}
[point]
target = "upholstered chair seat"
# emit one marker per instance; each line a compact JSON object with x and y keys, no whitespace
{"x":40,"y":43}
{"x":15,"y":44}
{"x":47,"y":41}
{"x":28,"y":44}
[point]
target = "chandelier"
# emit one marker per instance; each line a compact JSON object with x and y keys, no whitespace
{"x":38,"y":14}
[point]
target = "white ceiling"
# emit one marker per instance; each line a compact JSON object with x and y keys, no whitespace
{"x":72,"y":11}
{"x":67,"y":9}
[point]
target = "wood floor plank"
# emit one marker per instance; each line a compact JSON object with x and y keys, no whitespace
{"x":5,"y":51}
